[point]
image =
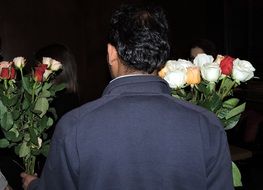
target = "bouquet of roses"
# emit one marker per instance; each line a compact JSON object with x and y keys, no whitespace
{"x":25,"y":114}
{"x":210,"y":83}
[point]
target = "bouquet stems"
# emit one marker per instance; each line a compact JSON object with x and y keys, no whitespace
{"x":29,"y":162}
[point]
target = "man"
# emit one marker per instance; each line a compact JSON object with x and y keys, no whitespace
{"x":137,"y":136}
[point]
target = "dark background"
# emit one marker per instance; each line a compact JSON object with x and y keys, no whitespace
{"x":26,"y":25}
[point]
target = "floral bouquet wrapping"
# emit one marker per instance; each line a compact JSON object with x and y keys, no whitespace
{"x":211,"y":83}
{"x":25,"y":114}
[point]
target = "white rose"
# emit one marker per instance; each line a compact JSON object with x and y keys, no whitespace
{"x":182,"y":63}
{"x":211,"y":72}
{"x":19,"y":62}
{"x":202,"y":59}
{"x":242,"y":70}
{"x":46,"y":74}
{"x":47,"y":61}
{"x":173,"y":65}
{"x":55,"y":65}
{"x":176,"y":79}
{"x":170,"y":65}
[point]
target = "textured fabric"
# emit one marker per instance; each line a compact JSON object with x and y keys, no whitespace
{"x":138,"y":137}
{"x":3,"y":182}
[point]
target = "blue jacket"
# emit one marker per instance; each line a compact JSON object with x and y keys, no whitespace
{"x":137,"y":137}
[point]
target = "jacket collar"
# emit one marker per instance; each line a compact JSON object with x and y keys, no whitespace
{"x":137,"y":84}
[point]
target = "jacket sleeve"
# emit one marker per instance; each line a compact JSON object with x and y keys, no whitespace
{"x":62,"y":164}
{"x":217,"y":155}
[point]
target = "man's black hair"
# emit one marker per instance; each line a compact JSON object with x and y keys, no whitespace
{"x":140,"y":35}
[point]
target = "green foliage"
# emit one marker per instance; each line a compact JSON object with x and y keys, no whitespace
{"x":236,"y":175}
{"x":25,"y":115}
{"x":216,"y":97}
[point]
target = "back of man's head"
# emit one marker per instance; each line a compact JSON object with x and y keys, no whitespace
{"x":140,"y":35}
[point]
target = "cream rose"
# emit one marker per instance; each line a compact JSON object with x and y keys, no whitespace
{"x":19,"y":62}
{"x":176,"y":79}
{"x":210,"y":72}
{"x":46,"y":74}
{"x":47,"y":61}
{"x":202,"y":59}
{"x":242,"y":70}
{"x":55,"y":65}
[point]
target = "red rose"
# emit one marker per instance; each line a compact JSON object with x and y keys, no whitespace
{"x":226,"y":65}
{"x":39,"y":71}
{"x":12,"y":73}
{"x":4,"y":73}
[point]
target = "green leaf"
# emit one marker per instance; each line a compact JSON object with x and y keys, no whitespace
{"x":45,"y":149}
{"x":231,"y":103}
{"x":237,"y":110}
{"x":42,"y":106}
{"x":24,"y":150}
{"x":26,"y":101}
{"x":7,"y":121}
{"x":45,"y":94}
{"x":27,"y":137}
{"x":232,"y":122}
{"x":222,"y":112}
{"x":4,"y":143}
{"x":33,"y":136}
{"x":57,"y":87}
{"x":45,"y":123}
{"x":27,"y":84}
{"x":12,"y":135}
{"x":13,"y":100}
{"x":213,"y":103}
{"x":236,"y":176}
{"x":3,"y":109}
{"x":226,"y":87}
{"x":47,"y":86}
{"x":15,"y":114}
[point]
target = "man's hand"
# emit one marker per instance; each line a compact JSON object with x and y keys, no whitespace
{"x":27,"y":179}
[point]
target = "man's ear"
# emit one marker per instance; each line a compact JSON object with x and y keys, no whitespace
{"x":112,"y":54}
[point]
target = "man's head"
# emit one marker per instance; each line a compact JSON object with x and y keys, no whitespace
{"x":138,"y":39}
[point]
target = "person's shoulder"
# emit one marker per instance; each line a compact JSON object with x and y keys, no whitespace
{"x":206,"y":116}
{"x":76,"y":115}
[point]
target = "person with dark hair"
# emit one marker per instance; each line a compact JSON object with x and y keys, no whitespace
{"x":137,"y":136}
{"x":67,"y":99}
{"x":202,"y":46}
